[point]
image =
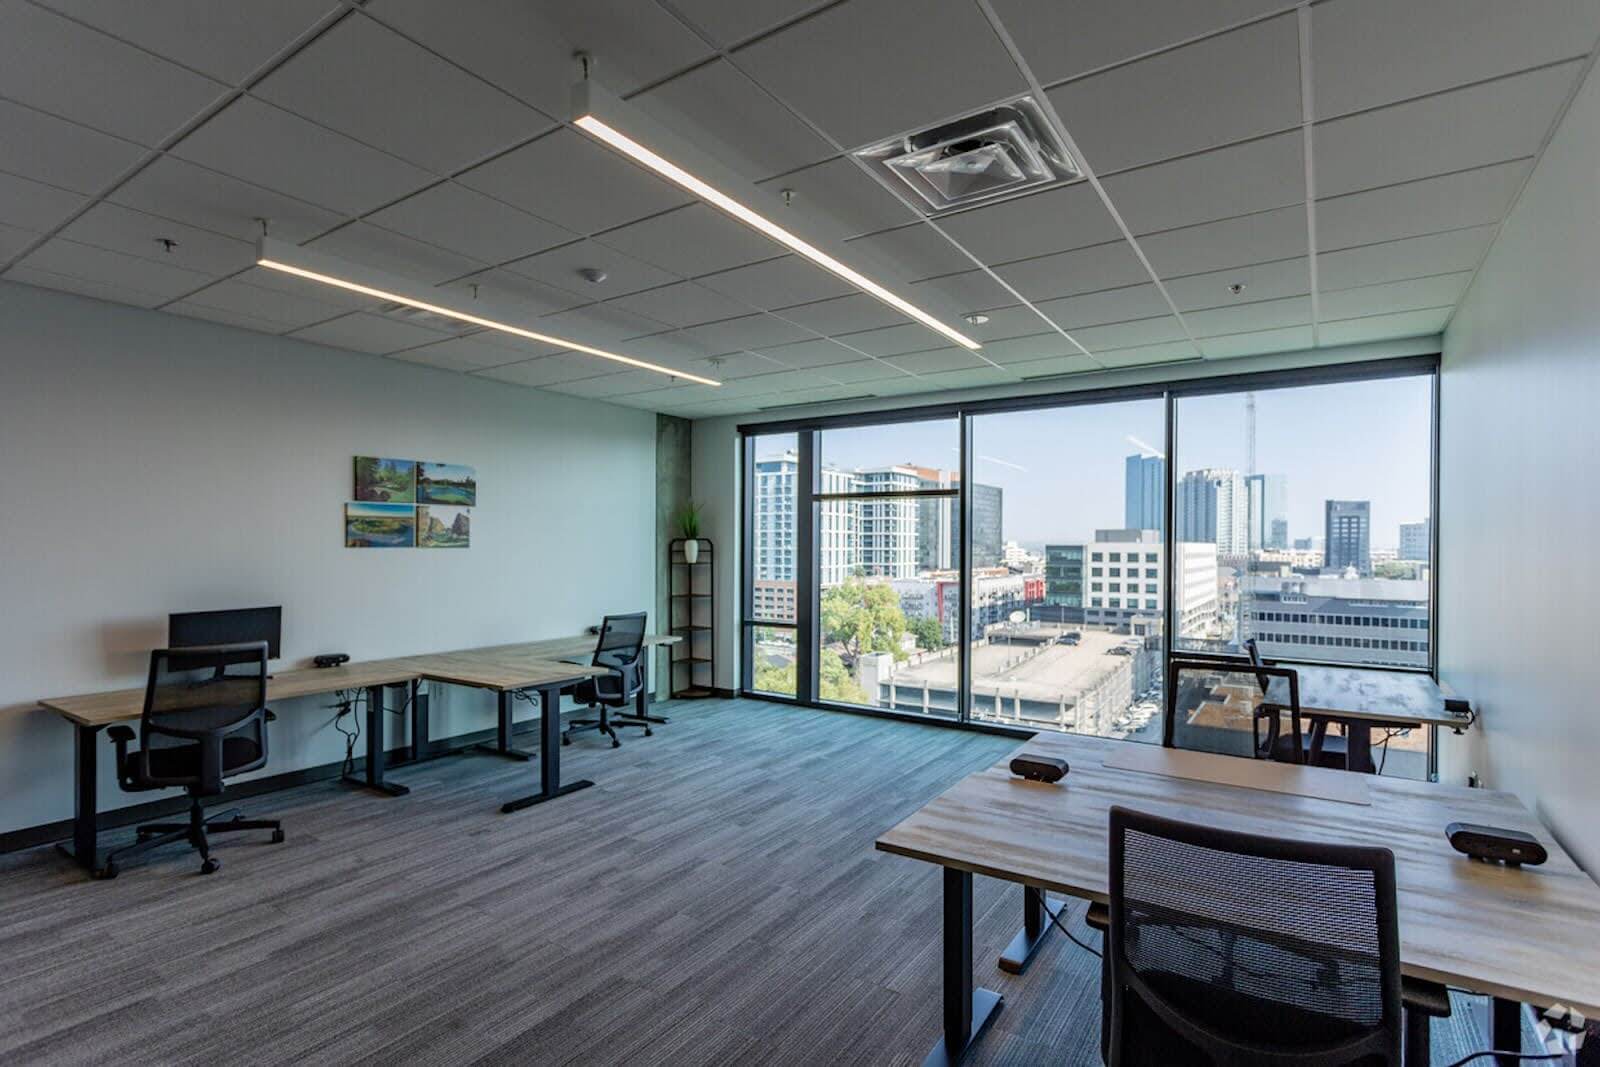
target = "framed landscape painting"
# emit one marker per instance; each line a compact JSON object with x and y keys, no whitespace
{"x":439,"y":526}
{"x":447,"y":483}
{"x":370,"y":525}
{"x":388,"y":481}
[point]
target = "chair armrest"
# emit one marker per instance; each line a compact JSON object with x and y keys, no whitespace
{"x":1098,"y":917}
{"x":1425,"y":997}
{"x":121,"y":733}
{"x":270,"y":716}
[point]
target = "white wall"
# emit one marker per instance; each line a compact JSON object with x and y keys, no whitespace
{"x":1520,"y":436}
{"x":151,"y":463}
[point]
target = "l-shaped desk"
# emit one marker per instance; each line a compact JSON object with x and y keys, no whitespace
{"x":543,"y":667}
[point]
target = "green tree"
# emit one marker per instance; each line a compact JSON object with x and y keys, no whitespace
{"x":928,"y":633}
{"x":863,"y":617}
{"x":836,"y":683}
{"x":775,"y":678}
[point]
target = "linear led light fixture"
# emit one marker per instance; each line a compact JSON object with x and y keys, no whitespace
{"x":605,"y":118}
{"x":329,"y":270}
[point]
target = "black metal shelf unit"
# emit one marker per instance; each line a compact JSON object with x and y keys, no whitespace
{"x":692,"y":602}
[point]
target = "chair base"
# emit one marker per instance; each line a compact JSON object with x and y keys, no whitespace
{"x":196,"y":832}
{"x":605,"y":722}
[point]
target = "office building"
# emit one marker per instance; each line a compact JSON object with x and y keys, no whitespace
{"x":1268,"y":507}
{"x":1144,"y":492}
{"x":1416,"y":540}
{"x":1211,"y":506}
{"x":514,"y":448}
{"x":1347,"y":537}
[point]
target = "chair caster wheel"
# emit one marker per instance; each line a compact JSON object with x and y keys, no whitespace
{"x":277,"y":837}
{"x":108,"y":871}
{"x":210,"y":866}
{"x":565,"y":740}
{"x":616,"y":744}
{"x":649,"y":732}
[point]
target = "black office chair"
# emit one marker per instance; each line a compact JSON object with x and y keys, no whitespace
{"x":1332,"y":750}
{"x":202,"y":723}
{"x":619,"y":650}
{"x":1218,"y":705}
{"x":1274,"y":744}
{"x":1230,"y":948}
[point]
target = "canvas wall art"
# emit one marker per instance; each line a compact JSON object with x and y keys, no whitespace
{"x":447,"y":483}
{"x":389,"y":481}
{"x":439,"y":526}
{"x":373,"y":525}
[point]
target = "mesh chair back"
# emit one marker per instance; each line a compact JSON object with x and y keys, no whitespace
{"x":1231,"y":948}
{"x":621,"y":641}
{"x":195,"y":695}
{"x":1213,"y":704}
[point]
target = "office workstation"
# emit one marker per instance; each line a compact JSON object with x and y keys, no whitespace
{"x":981,"y":531}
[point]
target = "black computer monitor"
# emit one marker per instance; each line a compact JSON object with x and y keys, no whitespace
{"x":189,"y":628}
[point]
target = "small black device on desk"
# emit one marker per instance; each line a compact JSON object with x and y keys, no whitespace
{"x":1037,"y":768}
{"x":330,"y":659}
{"x":1495,"y":844}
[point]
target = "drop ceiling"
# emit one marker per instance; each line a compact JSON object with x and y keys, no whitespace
{"x":1346,"y":162}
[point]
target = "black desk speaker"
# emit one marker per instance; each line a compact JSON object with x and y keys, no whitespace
{"x":1039,"y":768}
{"x":1496,"y":845}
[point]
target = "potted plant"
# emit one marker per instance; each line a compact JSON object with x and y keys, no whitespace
{"x":689,"y":525}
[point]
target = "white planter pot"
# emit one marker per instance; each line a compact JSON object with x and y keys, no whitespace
{"x":691,"y":551}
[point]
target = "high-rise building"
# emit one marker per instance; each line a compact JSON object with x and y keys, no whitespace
{"x":988,"y":503}
{"x":1125,"y":580}
{"x":1212,"y":506}
{"x":1351,"y":620}
{"x":774,"y":518}
{"x":1268,"y":526}
{"x":1348,"y":536}
{"x":836,"y":529}
{"x":1416,"y":540}
{"x":1063,"y":583}
{"x":1145,"y":493}
{"x":939,"y":523}
{"x":886,"y":529}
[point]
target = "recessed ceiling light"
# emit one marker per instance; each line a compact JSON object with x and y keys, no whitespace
{"x":354,"y":278}
{"x":1236,"y":288}
{"x":605,"y":118}
{"x":977,"y":318}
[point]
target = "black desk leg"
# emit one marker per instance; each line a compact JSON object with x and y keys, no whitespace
{"x":419,"y":722}
{"x":502,"y":740}
{"x":85,"y":847}
{"x":1505,"y":1027}
{"x":1358,"y":742}
{"x":550,"y":785}
{"x":967,"y":1009}
{"x":373,"y":777}
{"x":1037,"y":911}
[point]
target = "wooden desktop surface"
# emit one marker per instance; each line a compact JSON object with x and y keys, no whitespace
{"x":516,"y":666}
{"x":1356,"y":693}
{"x":1530,"y":934}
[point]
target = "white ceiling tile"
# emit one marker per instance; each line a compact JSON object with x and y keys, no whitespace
{"x":560,"y":266}
{"x":74,"y":260}
{"x":1216,"y":91}
{"x":814,"y":353}
{"x":259,"y":143}
{"x":1472,"y":127}
{"x":1238,"y":180}
{"x":728,"y":117}
{"x":393,"y":253}
{"x":731,"y":21}
{"x":1449,"y":202}
{"x":1149,"y":355}
{"x":224,"y":41}
{"x":971,"y":378}
{"x":750,"y":332}
{"x":1383,"y":327}
{"x":1140,"y":332}
{"x":478,"y":351}
{"x":1031,"y":349}
{"x":1084,"y":270}
{"x":1061,"y":40}
{"x":191,"y":310}
{"x":1259,"y":238}
{"x":427,"y":111}
{"x":732,"y":366}
{"x":865,"y":370}
{"x":918,"y":251}
{"x":526,"y":46}
{"x":1411,"y":257}
{"x":33,"y":205}
{"x":69,"y":70}
{"x":13,"y":239}
{"x":673,"y":348}
{"x":285,"y":310}
{"x":893,"y":340}
{"x":691,"y":241}
{"x":1055,"y":367}
{"x":937,"y":361}
{"x":304,"y":288}
{"x":363,"y":332}
{"x":1247,"y":318}
{"x":426,"y":357}
{"x":515,"y":293}
{"x":466,"y":221}
{"x":547,"y":370}
{"x":574,"y":182}
{"x":972,"y":290}
{"x":1056,"y":220}
{"x":117,"y":294}
{"x":598,"y":324}
{"x":843,"y":314}
{"x":1411,"y":295}
{"x":1369,"y":52}
{"x":1107,"y":305}
{"x":125,"y":230}
{"x":1261,"y":281}
{"x":838,"y":197}
{"x":682,"y":304}
{"x":627,"y":381}
{"x":185,"y":192}
{"x":1260,"y":342}
{"x":58,"y":152}
{"x":869,"y":69}
{"x":777,"y":283}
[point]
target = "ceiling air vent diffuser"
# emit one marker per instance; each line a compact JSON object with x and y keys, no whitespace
{"x":996,"y":152}
{"x":429,"y":319}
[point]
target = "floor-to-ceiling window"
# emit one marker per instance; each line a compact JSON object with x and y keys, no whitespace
{"x":772,"y":481}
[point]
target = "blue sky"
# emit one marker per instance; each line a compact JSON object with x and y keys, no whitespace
{"x":1062,"y":468}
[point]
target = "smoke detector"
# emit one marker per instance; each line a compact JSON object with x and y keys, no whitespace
{"x":980,"y":156}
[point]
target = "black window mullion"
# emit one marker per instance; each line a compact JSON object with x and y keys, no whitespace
{"x":807,"y":606}
{"x":964,"y":632}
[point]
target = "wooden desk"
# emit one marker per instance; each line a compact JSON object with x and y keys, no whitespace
{"x":1363,"y":699}
{"x":1521,"y":935}
{"x":502,"y":668}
